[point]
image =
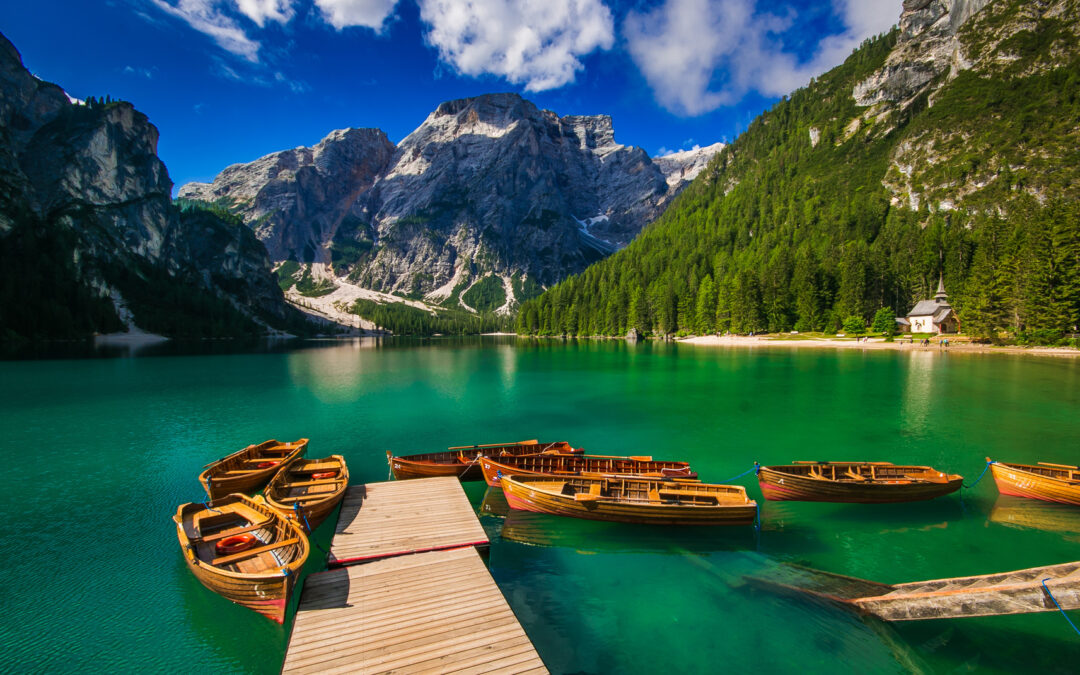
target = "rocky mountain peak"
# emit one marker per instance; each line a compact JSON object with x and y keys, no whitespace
{"x":485,"y":186}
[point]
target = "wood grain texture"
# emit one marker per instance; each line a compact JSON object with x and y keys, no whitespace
{"x":462,"y":461}
{"x":240,"y":472}
{"x":298,"y":496}
{"x":398,"y":517}
{"x":405,"y":615}
{"x":576,"y":465}
{"x":261,"y":578}
{"x":1057,"y":483}
{"x":1015,"y":592}
{"x":631,"y":500}
{"x":855,"y":482}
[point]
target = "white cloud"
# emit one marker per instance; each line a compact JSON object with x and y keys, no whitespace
{"x":698,"y":55}
{"x":343,"y":13}
{"x":261,"y":10}
{"x":537,"y":43}
{"x":205,"y":17}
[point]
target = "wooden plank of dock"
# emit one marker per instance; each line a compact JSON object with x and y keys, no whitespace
{"x":409,"y":516}
{"x":424,"y":613}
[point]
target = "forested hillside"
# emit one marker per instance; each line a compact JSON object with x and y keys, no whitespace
{"x":825,"y":209}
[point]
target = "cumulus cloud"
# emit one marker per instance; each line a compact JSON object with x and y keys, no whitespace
{"x":698,"y":55}
{"x":205,"y":17}
{"x":537,"y":43}
{"x":343,"y":13}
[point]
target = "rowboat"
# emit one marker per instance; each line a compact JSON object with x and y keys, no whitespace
{"x":1017,"y":592}
{"x":576,"y":465}
{"x":1049,"y":482}
{"x":855,"y":482}
{"x":631,"y":500}
{"x":250,"y":469}
{"x":242,"y":549}
{"x":461,"y":461}
{"x":307,"y":490}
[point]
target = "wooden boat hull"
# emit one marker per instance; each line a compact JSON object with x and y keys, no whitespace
{"x":293,"y":492}
{"x":1016,"y":592}
{"x":785,"y":486}
{"x":463,"y":461}
{"x":1048,"y":483}
{"x":577,"y":465}
{"x":541,"y":496}
{"x":239,"y":472}
{"x":261,"y":578}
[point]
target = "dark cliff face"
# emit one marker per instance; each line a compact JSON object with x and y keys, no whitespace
{"x":486,"y":185}
{"x":84,"y":183}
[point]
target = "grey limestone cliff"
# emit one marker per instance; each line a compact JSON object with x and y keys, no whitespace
{"x":485,"y":186}
{"x":84,"y":182}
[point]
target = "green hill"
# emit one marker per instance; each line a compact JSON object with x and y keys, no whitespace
{"x":825,"y":209}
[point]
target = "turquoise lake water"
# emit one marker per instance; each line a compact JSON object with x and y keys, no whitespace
{"x":101,"y":451}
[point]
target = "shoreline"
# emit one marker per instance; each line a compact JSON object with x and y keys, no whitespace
{"x":872,"y":344}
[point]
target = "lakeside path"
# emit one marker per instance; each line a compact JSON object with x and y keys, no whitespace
{"x":872,"y":344}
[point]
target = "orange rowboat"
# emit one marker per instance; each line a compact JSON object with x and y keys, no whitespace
{"x":631,"y":500}
{"x":242,"y":549}
{"x":1049,"y":482}
{"x":462,"y":461}
{"x":307,"y":490}
{"x":250,"y":469}
{"x":855,"y":482}
{"x":576,"y":465}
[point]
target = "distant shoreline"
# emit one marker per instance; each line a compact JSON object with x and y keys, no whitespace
{"x":871,"y":344}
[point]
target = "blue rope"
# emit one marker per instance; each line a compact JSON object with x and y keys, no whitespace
{"x":985,"y":469}
{"x":1043,"y":582}
{"x":296,"y":508}
{"x":757,"y":517}
{"x":210,"y":508}
{"x":744,"y":473}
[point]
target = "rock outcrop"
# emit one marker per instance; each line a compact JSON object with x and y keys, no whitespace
{"x":485,"y":186}
{"x":87,"y":179}
{"x":927,"y":47}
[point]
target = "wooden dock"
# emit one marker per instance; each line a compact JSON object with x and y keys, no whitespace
{"x":407,"y":591}
{"x":430,"y":612}
{"x":379,"y":520}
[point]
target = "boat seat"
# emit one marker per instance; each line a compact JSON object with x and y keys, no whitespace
{"x":700,"y":494}
{"x":231,"y":531}
{"x":854,"y":476}
{"x":594,"y":489}
{"x":306,"y":483}
{"x":654,"y":495}
{"x":252,"y":552}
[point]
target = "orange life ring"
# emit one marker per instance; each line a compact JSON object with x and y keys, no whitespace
{"x":235,"y":544}
{"x":267,"y":465}
{"x":323,"y":474}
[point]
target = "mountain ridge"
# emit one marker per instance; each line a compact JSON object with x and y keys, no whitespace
{"x":488,"y":185}
{"x":826,"y":210}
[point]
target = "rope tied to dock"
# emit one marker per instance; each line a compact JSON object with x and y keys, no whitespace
{"x":1052,"y":598}
{"x":985,"y":469}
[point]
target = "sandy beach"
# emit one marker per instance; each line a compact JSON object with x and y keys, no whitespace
{"x":871,"y":344}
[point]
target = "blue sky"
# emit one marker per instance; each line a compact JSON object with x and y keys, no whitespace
{"x":228,"y":81}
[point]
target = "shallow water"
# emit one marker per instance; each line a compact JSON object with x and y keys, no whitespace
{"x":101,"y":451}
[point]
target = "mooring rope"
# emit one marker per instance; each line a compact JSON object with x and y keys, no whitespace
{"x":744,"y":473}
{"x":1043,"y":582}
{"x":296,"y":508}
{"x":985,"y":469}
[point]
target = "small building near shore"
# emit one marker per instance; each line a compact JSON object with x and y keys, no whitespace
{"x":931,"y":316}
